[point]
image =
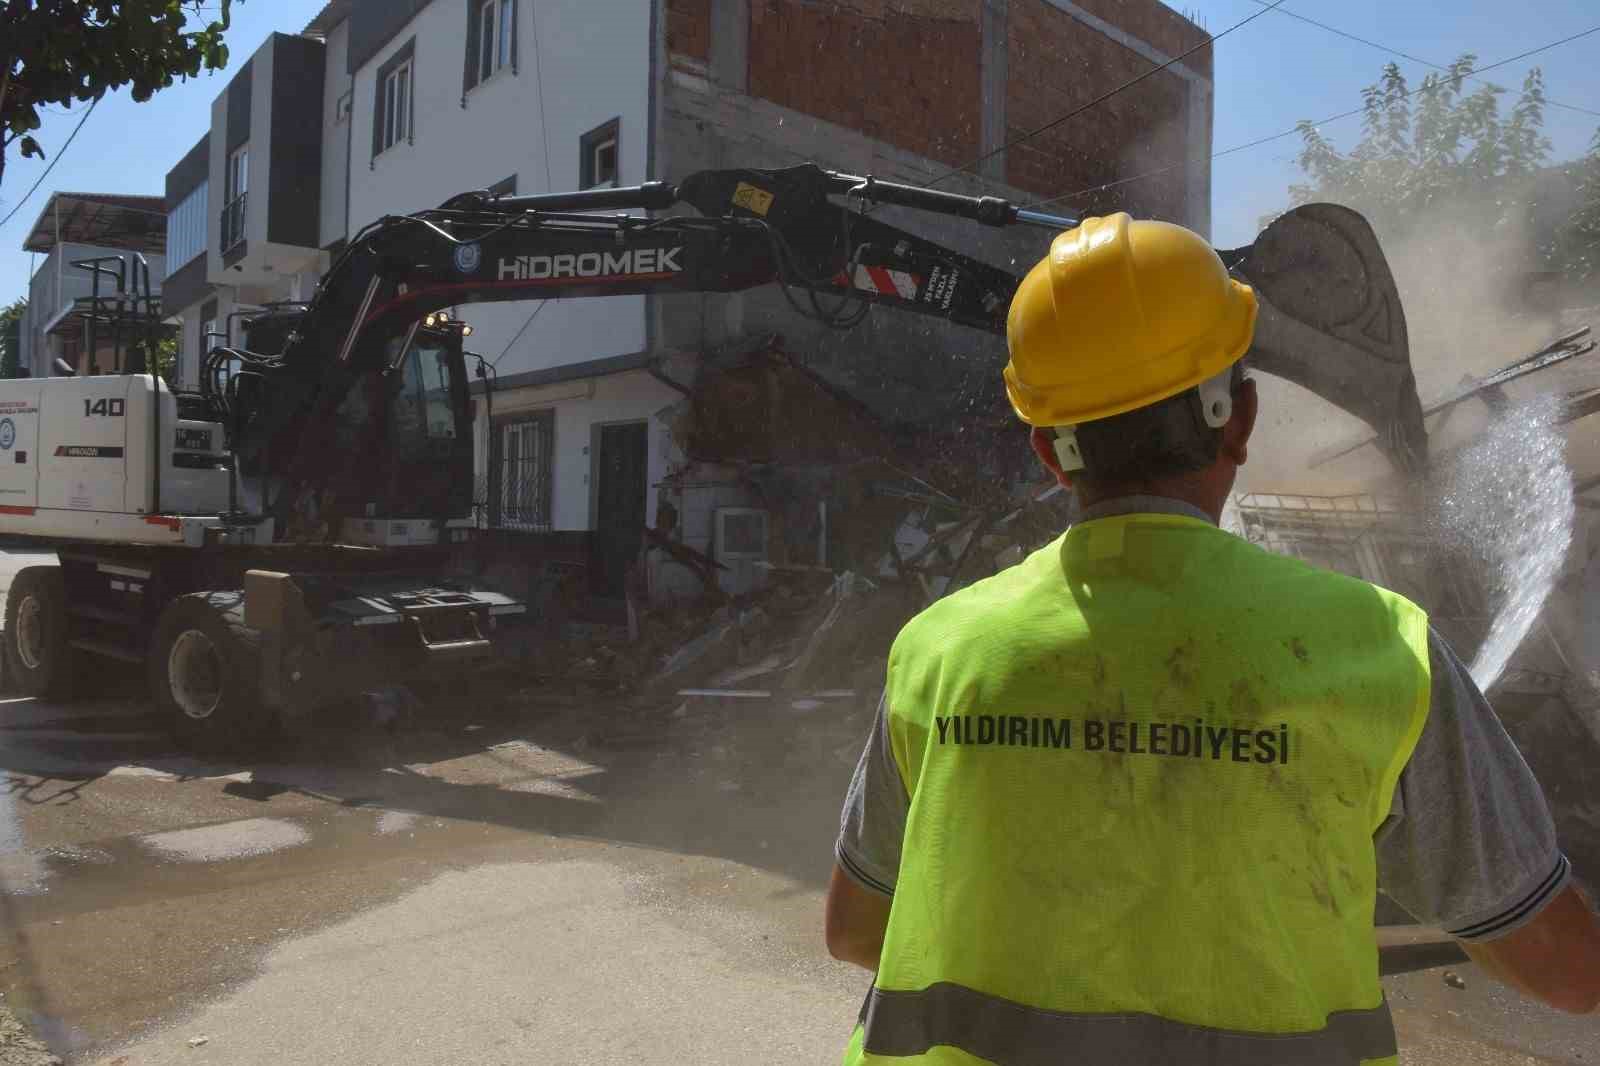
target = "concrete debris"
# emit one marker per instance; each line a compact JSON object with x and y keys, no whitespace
{"x":1454,"y":980}
{"x":723,"y":633}
{"x":794,"y":534}
{"x":18,"y":1047}
{"x":199,"y":1041}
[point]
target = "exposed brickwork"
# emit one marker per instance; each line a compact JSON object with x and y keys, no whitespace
{"x":909,"y":73}
{"x":1157,"y":25}
{"x":1056,"y":63}
{"x":903,"y":71}
{"x":689,"y":29}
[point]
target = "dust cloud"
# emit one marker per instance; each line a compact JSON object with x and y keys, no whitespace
{"x":1499,"y":492}
{"x":1461,"y":284}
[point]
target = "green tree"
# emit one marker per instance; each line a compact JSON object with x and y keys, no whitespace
{"x":11,"y":336}
{"x":1427,"y":147}
{"x":58,"y":51}
{"x":165,"y":356}
{"x":1578,"y":244}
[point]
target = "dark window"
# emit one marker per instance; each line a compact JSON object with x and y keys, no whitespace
{"x":236,"y":187}
{"x":491,"y":40}
{"x":504,"y":187}
{"x":598,"y":165}
{"x":522,"y":470}
{"x":422,"y":408}
{"x":393,"y":89}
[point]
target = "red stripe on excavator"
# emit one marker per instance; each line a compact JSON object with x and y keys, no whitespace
{"x":9,"y":509}
{"x":164,"y":520}
{"x":882,"y":279}
{"x":479,"y":286}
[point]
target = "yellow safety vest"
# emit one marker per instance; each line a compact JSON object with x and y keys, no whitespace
{"x":1145,"y":769}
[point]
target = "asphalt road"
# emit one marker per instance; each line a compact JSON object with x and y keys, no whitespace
{"x":539,"y":881}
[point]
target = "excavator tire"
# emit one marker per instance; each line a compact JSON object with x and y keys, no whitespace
{"x":205,"y":671}
{"x":39,"y":661}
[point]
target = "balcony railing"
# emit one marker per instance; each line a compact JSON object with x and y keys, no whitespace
{"x":233,"y":221}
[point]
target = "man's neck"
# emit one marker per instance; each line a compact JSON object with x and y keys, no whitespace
{"x":1195,"y":491}
{"x":1142,"y":504}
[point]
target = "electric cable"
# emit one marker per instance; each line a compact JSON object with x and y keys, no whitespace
{"x":1408,"y":56}
{"x":544,"y":137}
{"x":1291,"y":131}
{"x":54,"y":160}
{"x":518,"y":335}
{"x":1103,"y":97}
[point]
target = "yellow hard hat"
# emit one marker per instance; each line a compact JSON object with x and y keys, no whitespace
{"x":1121,"y":315}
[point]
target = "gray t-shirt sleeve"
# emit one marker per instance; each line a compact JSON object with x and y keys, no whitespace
{"x":873,"y":824}
{"x":1469,"y":844}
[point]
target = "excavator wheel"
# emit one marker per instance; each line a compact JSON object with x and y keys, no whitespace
{"x":205,"y":669}
{"x":39,"y":661}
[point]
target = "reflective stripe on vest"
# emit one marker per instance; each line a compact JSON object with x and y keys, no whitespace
{"x":1145,"y":768}
{"x":1012,"y":1034}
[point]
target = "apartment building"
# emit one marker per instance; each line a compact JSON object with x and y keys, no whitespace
{"x":116,"y":238}
{"x":392,"y":106}
{"x":244,"y":204}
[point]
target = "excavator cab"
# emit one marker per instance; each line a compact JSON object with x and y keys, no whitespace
{"x":404,"y":443}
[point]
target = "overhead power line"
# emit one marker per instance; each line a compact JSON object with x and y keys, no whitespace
{"x":1408,"y":56}
{"x":544,"y":138}
{"x":518,"y":335}
{"x":54,"y":160}
{"x":1291,"y":131}
{"x":1103,"y":97}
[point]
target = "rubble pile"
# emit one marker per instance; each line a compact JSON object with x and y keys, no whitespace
{"x":797,"y":533}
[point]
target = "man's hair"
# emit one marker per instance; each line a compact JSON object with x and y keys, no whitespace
{"x":1163,"y":440}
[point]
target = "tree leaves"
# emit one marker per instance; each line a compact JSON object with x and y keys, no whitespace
{"x":58,"y":51}
{"x":1430,"y":146}
{"x":1578,"y":247}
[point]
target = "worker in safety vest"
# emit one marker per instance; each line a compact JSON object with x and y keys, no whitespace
{"x":1132,"y":800}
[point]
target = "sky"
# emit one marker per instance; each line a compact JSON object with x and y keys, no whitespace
{"x":1270,"y":74}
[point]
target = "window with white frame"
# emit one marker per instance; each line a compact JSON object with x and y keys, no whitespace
{"x":523,"y":471}
{"x":393,"y":113}
{"x":597,"y":161}
{"x":397,"y":106}
{"x":493,"y":31}
{"x":238,"y":176}
{"x":186,"y":229}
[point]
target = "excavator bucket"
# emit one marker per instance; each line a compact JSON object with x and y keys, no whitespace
{"x":1331,"y":322}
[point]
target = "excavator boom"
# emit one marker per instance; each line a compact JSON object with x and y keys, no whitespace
{"x":1331,"y":318}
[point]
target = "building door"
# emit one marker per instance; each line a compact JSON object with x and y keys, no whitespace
{"x":619,"y":503}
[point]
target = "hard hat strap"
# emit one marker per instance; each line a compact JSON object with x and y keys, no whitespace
{"x":1211,"y":403}
{"x":1216,"y":398}
{"x":1068,"y":453}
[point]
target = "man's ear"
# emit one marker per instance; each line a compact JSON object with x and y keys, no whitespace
{"x":1236,"y":432}
{"x":1044,"y":446}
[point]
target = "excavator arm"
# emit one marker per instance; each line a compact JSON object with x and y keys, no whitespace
{"x":808,"y":230}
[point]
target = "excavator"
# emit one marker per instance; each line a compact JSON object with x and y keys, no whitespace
{"x":278,"y":541}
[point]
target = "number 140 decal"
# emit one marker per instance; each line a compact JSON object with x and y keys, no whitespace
{"x":107,"y":408}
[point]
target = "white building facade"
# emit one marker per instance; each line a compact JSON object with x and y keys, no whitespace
{"x":384,"y":107}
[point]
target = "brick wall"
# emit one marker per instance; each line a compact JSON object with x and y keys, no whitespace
{"x":1156,"y":24}
{"x":689,"y":29}
{"x":1055,"y":63}
{"x":910,"y":73}
{"x":903,"y":71}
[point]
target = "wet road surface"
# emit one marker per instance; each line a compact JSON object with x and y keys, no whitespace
{"x":365,"y":899}
{"x":520,"y":881}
